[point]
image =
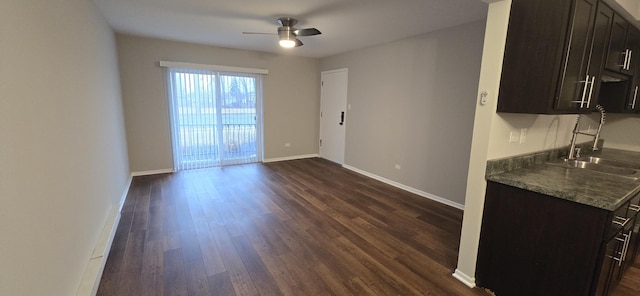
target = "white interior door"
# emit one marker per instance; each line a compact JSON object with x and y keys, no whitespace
{"x":333,"y":103}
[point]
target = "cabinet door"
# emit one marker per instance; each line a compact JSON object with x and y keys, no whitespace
{"x":576,"y":84}
{"x":633,"y":47}
{"x":607,"y":268}
{"x":533,"y":57}
{"x":598,"y":56}
{"x":633,"y":102}
{"x":635,"y":241}
{"x":617,"y":44}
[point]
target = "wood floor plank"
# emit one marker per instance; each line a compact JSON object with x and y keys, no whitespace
{"x":212,"y":260}
{"x":174,"y":277}
{"x":287,"y":282}
{"x":190,"y":246}
{"x":260,"y":276}
{"x":197,"y":280}
{"x":240,"y":278}
{"x":220,"y":285}
{"x":152,"y":279}
{"x":133,"y":255}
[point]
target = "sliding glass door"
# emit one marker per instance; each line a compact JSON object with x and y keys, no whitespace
{"x":215,"y":117}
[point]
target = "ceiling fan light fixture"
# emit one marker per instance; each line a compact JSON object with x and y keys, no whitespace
{"x":286,"y":37}
{"x":287,"y":43}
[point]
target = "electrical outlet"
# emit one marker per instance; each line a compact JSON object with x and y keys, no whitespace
{"x":287,"y":144}
{"x":523,"y":135}
{"x":397,"y":166}
{"x":514,"y":137}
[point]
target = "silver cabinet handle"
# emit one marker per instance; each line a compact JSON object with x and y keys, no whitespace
{"x":593,"y":81}
{"x":630,"y":57}
{"x":584,"y":91}
{"x":625,"y":246}
{"x":619,"y":259}
{"x":635,"y":208}
{"x":626,"y":60}
{"x":635,"y":96}
{"x":621,"y":221}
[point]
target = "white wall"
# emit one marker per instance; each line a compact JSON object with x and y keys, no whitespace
{"x":63,"y":159}
{"x":413,"y":105}
{"x":543,"y":132}
{"x":621,"y":131}
{"x":291,"y":97}
{"x":493,"y":52}
{"x":631,"y":6}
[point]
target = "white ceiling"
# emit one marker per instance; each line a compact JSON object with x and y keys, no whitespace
{"x":345,"y":24}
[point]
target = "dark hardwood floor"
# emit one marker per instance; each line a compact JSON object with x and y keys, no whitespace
{"x":303,"y":227}
{"x":630,"y":283}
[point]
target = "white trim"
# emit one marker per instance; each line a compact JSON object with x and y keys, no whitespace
{"x":95,"y":267}
{"x":290,"y":158}
{"x":407,"y":188}
{"x":168,"y":64}
{"x":153,"y":172}
{"x":465,"y":279}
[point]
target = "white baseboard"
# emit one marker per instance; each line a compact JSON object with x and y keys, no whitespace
{"x":405,"y":187}
{"x":290,"y":158}
{"x":465,"y":279}
{"x":93,"y":272}
{"x":154,"y":172}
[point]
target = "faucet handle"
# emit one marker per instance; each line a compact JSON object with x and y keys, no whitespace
{"x":578,"y":149}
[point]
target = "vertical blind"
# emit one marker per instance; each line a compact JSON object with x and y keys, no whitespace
{"x":215,"y":117}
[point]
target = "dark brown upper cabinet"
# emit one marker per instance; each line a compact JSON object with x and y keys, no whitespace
{"x":623,"y":47}
{"x":633,"y":101}
{"x":620,"y":93}
{"x":554,"y":55}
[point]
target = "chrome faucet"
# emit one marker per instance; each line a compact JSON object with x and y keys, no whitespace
{"x":575,"y":152}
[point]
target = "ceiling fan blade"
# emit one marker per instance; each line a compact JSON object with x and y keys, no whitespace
{"x":298,"y":43}
{"x":258,"y":33}
{"x":307,"y":32}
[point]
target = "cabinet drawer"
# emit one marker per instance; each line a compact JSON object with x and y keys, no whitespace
{"x":620,"y":218}
{"x":634,"y":206}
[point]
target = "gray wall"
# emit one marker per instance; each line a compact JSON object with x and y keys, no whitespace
{"x":619,"y":131}
{"x":291,"y":97}
{"x":413,"y":104}
{"x":63,"y":157}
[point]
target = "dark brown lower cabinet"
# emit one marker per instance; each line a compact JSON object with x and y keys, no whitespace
{"x":535,"y":244}
{"x":608,"y":264}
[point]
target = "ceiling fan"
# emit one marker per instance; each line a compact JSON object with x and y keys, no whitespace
{"x":288,"y":35}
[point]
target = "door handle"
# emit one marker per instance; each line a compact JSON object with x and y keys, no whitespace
{"x":342,"y":118}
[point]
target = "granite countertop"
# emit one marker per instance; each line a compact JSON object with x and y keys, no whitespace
{"x":533,"y":172}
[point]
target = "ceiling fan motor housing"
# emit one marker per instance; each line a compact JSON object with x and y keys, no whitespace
{"x":286,"y":32}
{"x":287,"y":22}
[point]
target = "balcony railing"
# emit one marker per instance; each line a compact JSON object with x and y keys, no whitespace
{"x":203,"y":145}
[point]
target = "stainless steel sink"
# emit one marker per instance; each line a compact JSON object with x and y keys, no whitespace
{"x":609,"y":162}
{"x":591,"y":165}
